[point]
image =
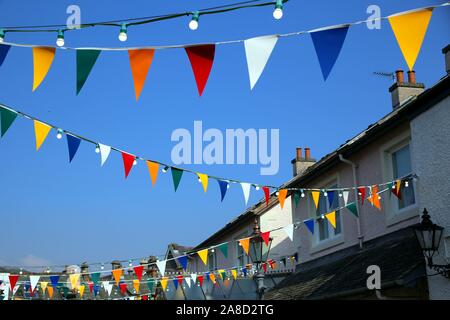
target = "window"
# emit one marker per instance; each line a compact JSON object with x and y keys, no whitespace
{"x":325,"y":229}
{"x":212,"y":261}
{"x":401,"y":166}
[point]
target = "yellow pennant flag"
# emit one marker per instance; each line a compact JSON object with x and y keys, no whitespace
{"x":50,"y":292}
{"x":153,"y":168}
{"x":41,"y":131}
{"x":375,"y":198}
{"x":245,"y":244}
{"x":220,"y":272}
{"x":409,"y":30}
{"x":331,"y":217}
{"x":44,"y":285}
{"x":212,"y":277}
{"x":117,"y":273}
{"x":42,"y":60}
{"x":204,"y":180}
{"x":74,"y":280}
{"x":203,"y":254}
{"x":81,"y":291}
{"x":136,"y":285}
{"x":282,"y":196}
{"x":316,"y":195}
{"x":163,"y":283}
{"x":234,"y":274}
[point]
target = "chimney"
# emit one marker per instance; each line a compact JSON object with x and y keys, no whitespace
{"x":446,"y":52}
{"x":402,"y":91}
{"x":300,"y":163}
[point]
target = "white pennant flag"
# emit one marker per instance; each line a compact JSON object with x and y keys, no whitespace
{"x":104,"y":152}
{"x":161,"y":266}
{"x":194,"y":278}
{"x":188,"y":281}
{"x":289,"y":229}
{"x":345,"y":196}
{"x":33,"y":281}
{"x":257,"y":52}
{"x":108,"y":287}
{"x":246,"y":189}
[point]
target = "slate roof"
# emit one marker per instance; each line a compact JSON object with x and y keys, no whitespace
{"x":397,"y":254}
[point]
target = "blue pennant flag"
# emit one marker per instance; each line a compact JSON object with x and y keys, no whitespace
{"x":223,"y":188}
{"x":244,"y":271}
{"x":54,"y":280}
{"x":310,"y":224}
{"x":328,"y":44}
{"x":175,"y":283}
{"x":330,"y":196}
{"x":96,"y":289}
{"x":4,"y":48}
{"x":183,"y":260}
{"x":73,"y":143}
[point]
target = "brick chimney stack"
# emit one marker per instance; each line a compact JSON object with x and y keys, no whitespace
{"x":446,"y":52}
{"x":300,"y":163}
{"x":402,"y":91}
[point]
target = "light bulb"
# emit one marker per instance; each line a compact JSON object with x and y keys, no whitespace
{"x":193,"y":24}
{"x":228,"y":186}
{"x":2,"y":35}
{"x":257,"y":187}
{"x":303,"y":194}
{"x":135,"y":162}
{"x":278,"y":13}
{"x":340,"y":194}
{"x":277,"y":193}
{"x":123,"y":32}
{"x":21,"y":271}
{"x":165,"y":169}
{"x":393,"y":186}
{"x":406,"y":184}
{"x":60,"y":38}
{"x":97,"y":149}
{"x":102,"y":267}
{"x":199,"y":180}
{"x":325,"y":194}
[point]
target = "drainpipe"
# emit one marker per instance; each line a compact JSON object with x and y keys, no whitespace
{"x":355,"y":183}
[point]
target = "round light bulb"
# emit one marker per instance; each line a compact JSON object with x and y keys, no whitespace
{"x":59,"y":135}
{"x":278,"y":13}
{"x":193,"y":25}
{"x":165,"y":169}
{"x":257,"y":187}
{"x":228,"y":186}
{"x":340,"y":194}
{"x":134,"y":162}
{"x":60,"y":42}
{"x":123,"y":36}
{"x":2,"y":35}
{"x":97,"y":149}
{"x":303,"y":195}
{"x":277,"y":193}
{"x":325,"y":194}
{"x":406,"y":184}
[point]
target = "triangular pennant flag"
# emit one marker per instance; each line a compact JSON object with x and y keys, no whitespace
{"x":204,"y":180}
{"x":397,"y":188}
{"x":136,"y":284}
{"x":310,"y":225}
{"x":328,"y":44}
{"x":41,"y":131}
{"x":123,"y":288}
{"x":203,"y":254}
{"x":296,"y":198}
{"x":34,"y":281}
{"x":54,"y":280}
{"x":264,"y":265}
{"x":44,"y":285}
{"x":95,"y":277}
{"x":128,"y":160}
{"x":222,"y":274}
{"x":150,"y":285}
{"x":194,"y":277}
{"x":104,"y":153}
{"x":180,"y":279}
{"x":140,"y":62}
{"x":73,"y":278}
{"x":7,"y":117}
{"x":201,"y":58}
{"x":409,"y":30}
{"x":207,"y":275}
{"x":331,"y":217}
{"x":107,"y":286}
{"x":42,"y":61}
{"x":330,"y":196}
{"x":85,"y":61}
{"x":161,"y":266}
{"x":224,"y":249}
{"x":234,"y":273}
{"x":246,"y":190}
{"x":245,"y":244}
{"x":175,"y":283}
{"x":138,"y":271}
{"x":153,"y":168}
{"x":266,"y":191}
{"x":374,"y":199}
{"x":96,"y":289}
{"x":223,"y":185}
{"x":345,"y":196}
{"x":4,"y":49}
{"x":266,"y":237}
{"x":50,"y":292}
{"x":212,"y":277}
{"x":65,"y":291}
{"x":353,"y":209}
{"x":188,"y":281}
{"x":315,"y":195}
{"x":200,"y":280}
{"x":73,"y":143}
{"x":289,"y":229}
{"x":117,"y":273}
{"x":176,"y":177}
{"x":244,"y":271}
{"x":282,"y":196}
{"x":362,"y":194}
{"x":183,"y":261}
{"x":163,"y":282}
{"x":257,"y":53}
{"x":12,"y":278}
{"x":81,"y":291}
{"x":91,"y":286}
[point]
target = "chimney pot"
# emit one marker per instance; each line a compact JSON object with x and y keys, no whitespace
{"x":412,"y":76}
{"x":299,"y":154}
{"x":307,"y":153}
{"x":399,"y":76}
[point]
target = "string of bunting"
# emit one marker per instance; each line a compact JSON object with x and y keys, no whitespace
{"x":42,"y":129}
{"x":409,"y":28}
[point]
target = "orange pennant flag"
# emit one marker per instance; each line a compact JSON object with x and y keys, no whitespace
{"x":117,"y":273}
{"x":50,"y":292}
{"x":375,"y":198}
{"x":212,"y":277}
{"x":136,"y":285}
{"x":153,"y":168}
{"x":140,"y":61}
{"x":245,"y":244}
{"x":282,"y":196}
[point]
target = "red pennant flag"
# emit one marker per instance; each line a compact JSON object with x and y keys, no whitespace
{"x":200,"y":280}
{"x":396,"y":189}
{"x":266,"y":194}
{"x":362,"y":191}
{"x":13,"y":280}
{"x":264,"y":267}
{"x":128,"y":160}
{"x":123,"y":288}
{"x":180,"y":279}
{"x":201,"y":58}
{"x":91,"y":286}
{"x":266,"y":237}
{"x":138,"y":271}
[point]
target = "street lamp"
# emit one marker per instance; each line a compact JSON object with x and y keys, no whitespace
{"x":429,"y":236}
{"x":259,"y":253}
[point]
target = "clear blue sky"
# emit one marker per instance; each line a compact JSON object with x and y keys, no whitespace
{"x":55,"y":212}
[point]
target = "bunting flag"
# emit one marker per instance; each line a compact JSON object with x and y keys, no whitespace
{"x":188,"y":281}
{"x":330,"y":196}
{"x":362,"y":194}
{"x":7,"y":117}
{"x":138,"y":270}
{"x":282,"y":193}
{"x":104,"y":153}
{"x":128,"y":160}
{"x":283,"y":261}
{"x":140,"y":62}
{"x":180,"y":279}
{"x":123,"y":288}
{"x":73,"y":143}
{"x":50,"y":292}
{"x":296,"y":198}
{"x":345,"y":196}
{"x":176,"y":176}
{"x":81,"y":291}
{"x":95,"y":277}
{"x":234,"y":273}
{"x":266,"y":237}
{"x":201,"y":58}
{"x":223,"y":185}
{"x":34,"y":281}
{"x":194,"y":278}
{"x":117,"y":273}
{"x":204,"y":180}
{"x":96,"y":289}
{"x":246,"y":190}
{"x":41,"y":131}
{"x":73,"y":278}
{"x":224,"y":249}
{"x":183,"y":261}
{"x":266,"y":191}
{"x":203,"y":254}
{"x":328,"y":44}
{"x":85,"y":61}
{"x":161,"y":266}
{"x":245,"y":244}
{"x":153,"y":169}
{"x":42,"y":61}
{"x":396,"y":190}
{"x":244,"y":271}
{"x":163,"y":282}
{"x":289,"y":229}
{"x":409,"y":30}
{"x":352,"y":208}
{"x":310,"y":225}
{"x":136,"y":285}
{"x":264,"y":265}
{"x":200,"y":280}
{"x":150,"y":285}
{"x":315,"y":195}
{"x":257,"y":52}
{"x":175,"y":283}
{"x":107,"y":286}
{"x":212,"y":277}
{"x":44,"y":285}
{"x":91,"y":286}
{"x":374,"y":199}
{"x":331,"y":217}
{"x":54,"y":281}
{"x":12,"y":278}
{"x":4,"y":49}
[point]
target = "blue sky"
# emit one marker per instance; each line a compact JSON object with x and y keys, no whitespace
{"x":53,"y":212}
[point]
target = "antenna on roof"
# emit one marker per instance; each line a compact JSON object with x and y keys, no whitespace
{"x":385,"y":74}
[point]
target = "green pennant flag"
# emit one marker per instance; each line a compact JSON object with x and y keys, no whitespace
{"x":176,"y":176}
{"x":389,"y":186}
{"x":296,"y":198}
{"x":224,"y":249}
{"x":7,"y":118}
{"x":66,"y":291}
{"x":224,"y":275}
{"x":85,"y":61}
{"x":95,"y":277}
{"x":352,"y":207}
{"x":150,"y":285}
